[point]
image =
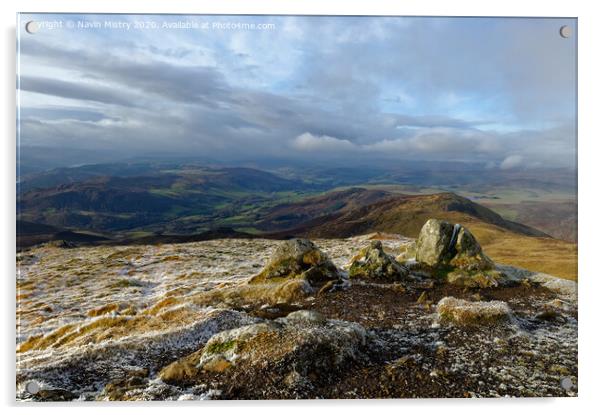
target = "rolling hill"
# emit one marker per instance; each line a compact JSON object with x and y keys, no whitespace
{"x":403,"y":214}
{"x":183,"y":200}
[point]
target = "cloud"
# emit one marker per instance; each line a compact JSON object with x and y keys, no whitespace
{"x":451,"y":144}
{"x":74,"y":90}
{"x":315,"y":86}
{"x":310,"y":142}
{"x":511,"y":162}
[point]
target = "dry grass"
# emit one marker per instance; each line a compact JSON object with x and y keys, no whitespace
{"x":548,"y":255}
{"x":109,"y":308}
{"x":166,"y":302}
{"x":43,"y":342}
{"x":109,"y":328}
{"x":277,"y":292}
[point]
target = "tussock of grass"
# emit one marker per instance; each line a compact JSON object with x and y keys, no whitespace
{"x":106,"y":309}
{"x":166,"y":302}
{"x":43,"y":342}
{"x":170,"y":258}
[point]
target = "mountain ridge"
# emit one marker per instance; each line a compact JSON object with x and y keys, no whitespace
{"x":403,"y":214}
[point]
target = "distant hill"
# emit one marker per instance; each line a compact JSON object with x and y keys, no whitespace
{"x":557,"y":218}
{"x":199,"y":197}
{"x":403,"y":214}
{"x":331,"y":204}
{"x":30,"y":233}
{"x":217,"y":233}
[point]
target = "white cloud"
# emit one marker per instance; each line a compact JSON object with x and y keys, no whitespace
{"x":511,"y":162}
{"x":310,"y":142}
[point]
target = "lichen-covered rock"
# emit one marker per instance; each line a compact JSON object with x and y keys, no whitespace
{"x":470,"y":313}
{"x":434,"y":243}
{"x":373,"y":263}
{"x":296,"y":269}
{"x":298,"y":258}
{"x":223,"y":349}
{"x":467,"y":252}
{"x":217,"y":355}
{"x":303,"y":342}
{"x":442,"y":244}
{"x":453,"y":252}
{"x":120,"y":390}
{"x":305,"y":316}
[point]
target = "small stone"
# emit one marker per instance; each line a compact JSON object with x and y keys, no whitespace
{"x":326,"y":288}
{"x":466,"y":313}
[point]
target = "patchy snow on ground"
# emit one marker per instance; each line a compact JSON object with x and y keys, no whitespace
{"x":87,"y":316}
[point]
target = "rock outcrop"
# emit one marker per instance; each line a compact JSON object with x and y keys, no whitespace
{"x":434,"y":243}
{"x":453,"y":251}
{"x":373,"y":263}
{"x":292,"y":348}
{"x":442,"y":244}
{"x":296,"y":269}
{"x":298,"y":259}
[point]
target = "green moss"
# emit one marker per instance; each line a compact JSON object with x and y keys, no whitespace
{"x":442,"y":271}
{"x":217,"y":348}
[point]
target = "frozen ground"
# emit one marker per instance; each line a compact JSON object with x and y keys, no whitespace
{"x":89,"y":316}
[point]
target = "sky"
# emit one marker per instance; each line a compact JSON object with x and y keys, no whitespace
{"x":500,"y":91}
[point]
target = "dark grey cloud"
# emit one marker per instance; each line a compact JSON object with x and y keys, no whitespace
{"x":61,"y":113}
{"x":74,"y":90}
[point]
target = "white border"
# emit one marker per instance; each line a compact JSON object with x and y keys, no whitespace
{"x":590,"y":74}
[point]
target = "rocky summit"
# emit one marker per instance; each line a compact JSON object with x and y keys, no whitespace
{"x":263,"y":319}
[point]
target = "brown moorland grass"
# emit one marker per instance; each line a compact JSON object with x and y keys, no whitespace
{"x":548,"y":255}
